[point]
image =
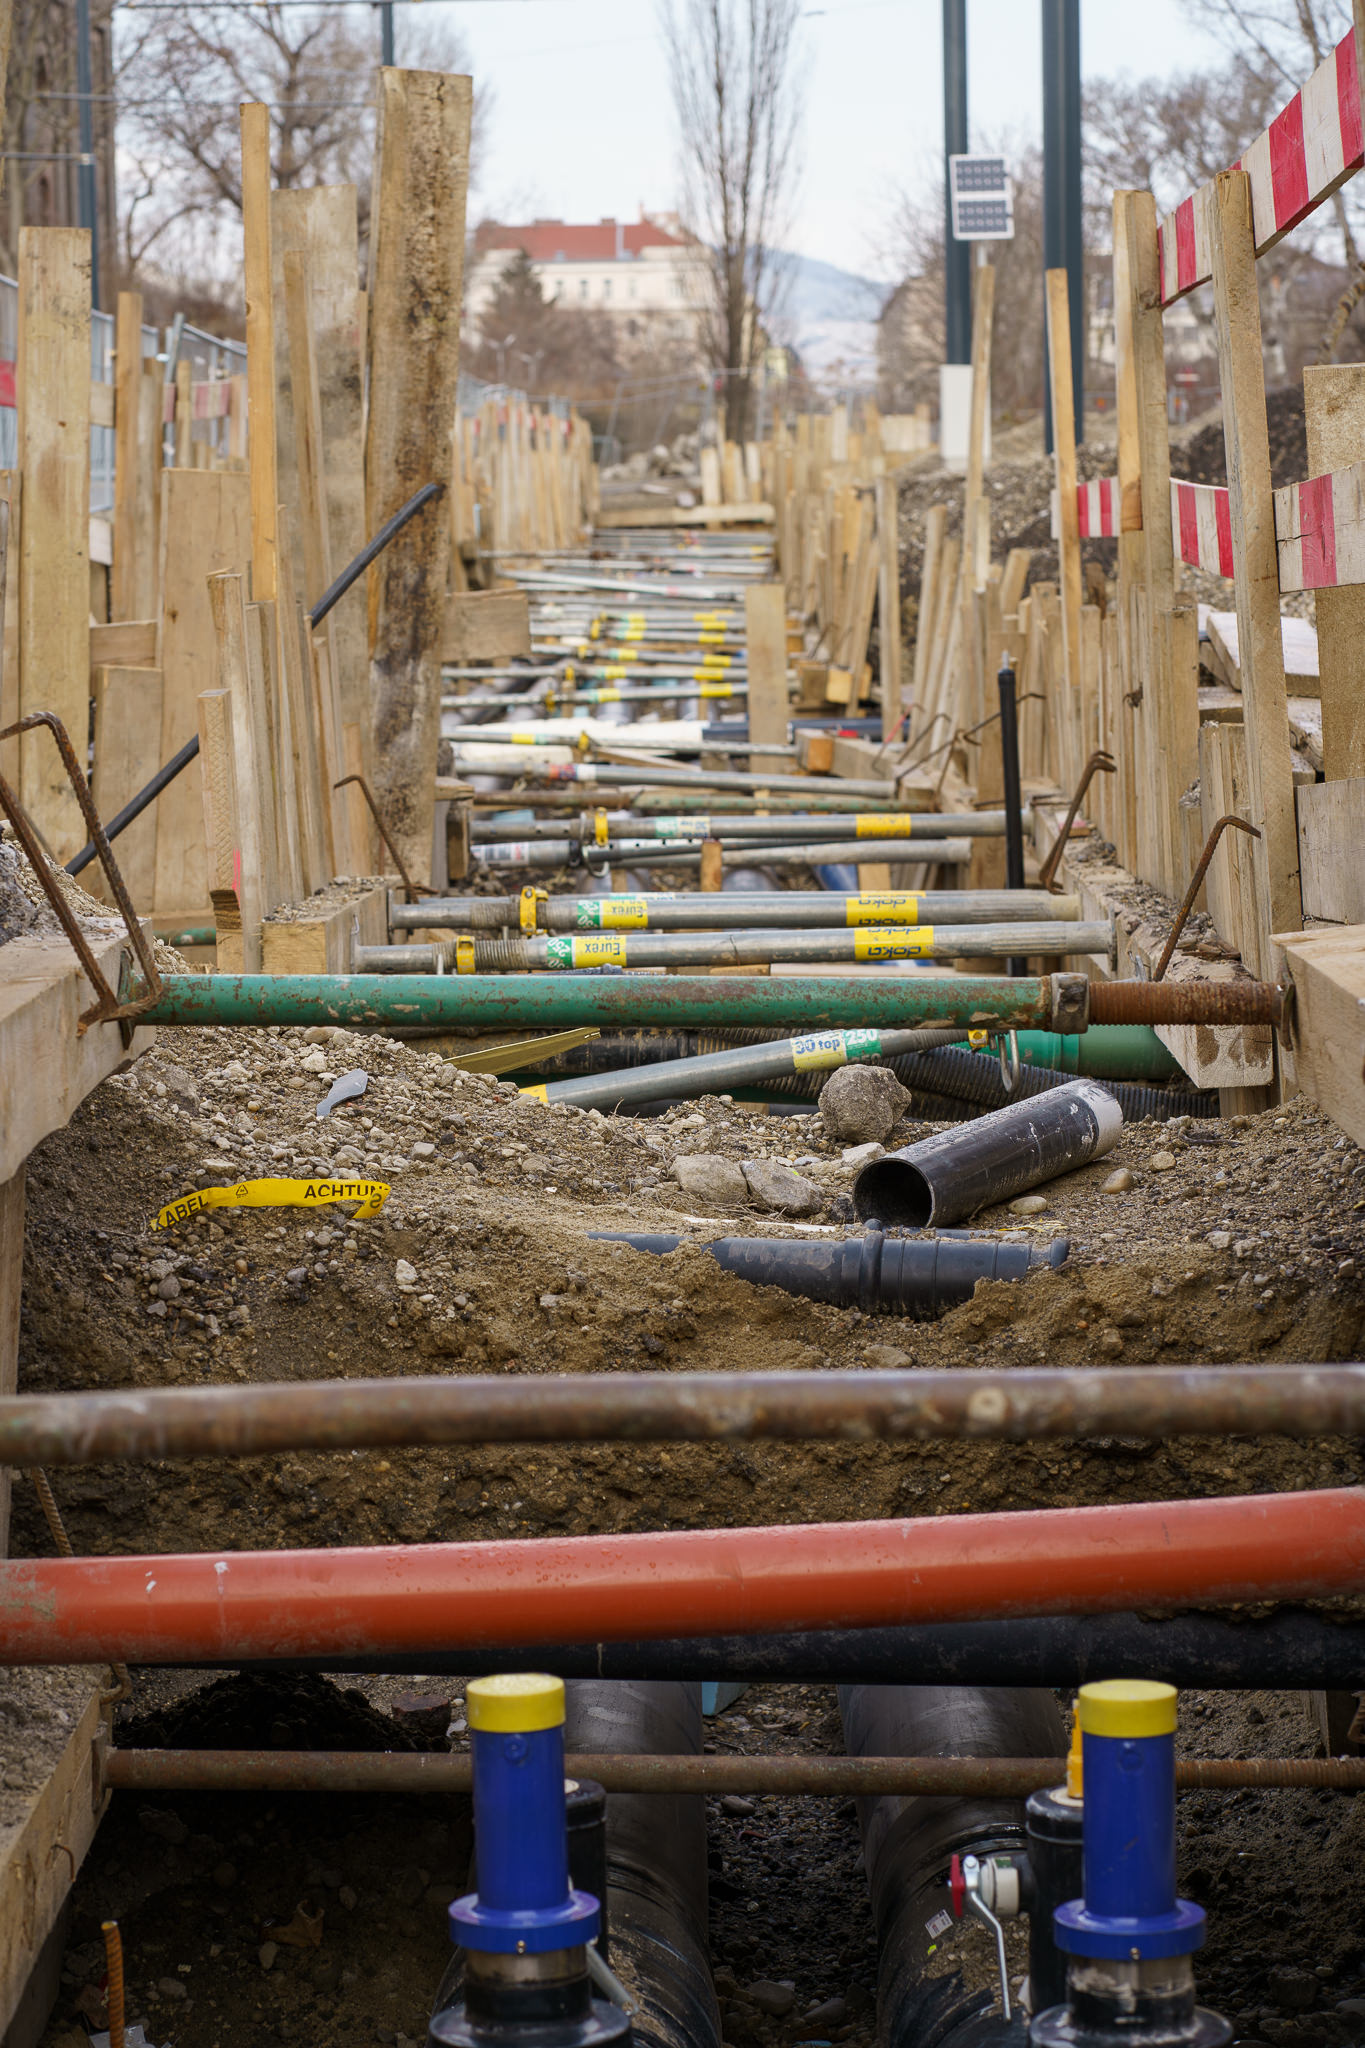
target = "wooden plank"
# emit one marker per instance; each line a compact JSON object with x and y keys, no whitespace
{"x":304,"y":798}
{"x":205,"y":529}
{"x":228,"y":873}
{"x":134,"y":565}
{"x":260,"y":347}
{"x":486,"y":625}
{"x":1328,"y":973}
{"x":1331,"y":818}
{"x":765,"y":640}
{"x":309,"y":658}
{"x":321,"y":943}
{"x":52,"y":378}
{"x":935,"y":526}
{"x":40,"y":1853}
{"x":1247,"y":442}
{"x":1298,"y":647}
{"x":124,"y":643}
{"x":272,"y":755}
{"x":49,"y":1067}
{"x":1334,"y":416}
{"x":416,"y":271}
{"x":1060,"y":384}
{"x":127,"y":722}
{"x":756,"y":513}
{"x":11,"y":1298}
{"x":889,"y":650}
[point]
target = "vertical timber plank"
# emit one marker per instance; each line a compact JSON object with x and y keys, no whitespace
{"x":1334,"y":414}
{"x":260,"y":347}
{"x":127,"y":756}
{"x":53,"y":389}
{"x":205,"y":528}
{"x":11,"y":1289}
{"x":765,"y":641}
{"x":890,"y":653}
{"x":1257,"y":583}
{"x":416,"y":273}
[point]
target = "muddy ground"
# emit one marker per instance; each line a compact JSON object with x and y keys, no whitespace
{"x":1234,"y":1240}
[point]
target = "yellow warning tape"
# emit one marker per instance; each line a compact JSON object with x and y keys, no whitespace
{"x":276,"y":1194}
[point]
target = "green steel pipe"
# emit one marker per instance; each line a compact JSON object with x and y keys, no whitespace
{"x":1106,"y":1052}
{"x":699,"y":910}
{"x":546,"y":1002}
{"x":189,"y":935}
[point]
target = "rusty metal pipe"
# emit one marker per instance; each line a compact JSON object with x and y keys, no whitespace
{"x":1184,"y":1002}
{"x":1152,"y":1402}
{"x":215,"y":1607}
{"x":823,"y":1777}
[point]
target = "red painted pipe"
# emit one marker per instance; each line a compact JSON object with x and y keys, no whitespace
{"x":230,"y":1606}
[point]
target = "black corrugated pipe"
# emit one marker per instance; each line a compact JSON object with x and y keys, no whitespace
{"x":1291,"y":1650}
{"x":897,"y":1276}
{"x":656,"y":1858}
{"x":948,"y":1074}
{"x":922,"y":1998}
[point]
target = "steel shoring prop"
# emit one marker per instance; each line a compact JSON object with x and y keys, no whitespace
{"x":778,"y":909}
{"x":821,"y":1777}
{"x":745,"y":948}
{"x":1151,"y":1402}
{"x":1057,"y":1002}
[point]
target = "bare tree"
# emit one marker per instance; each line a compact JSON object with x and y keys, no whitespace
{"x":539,"y":345}
{"x":1282,"y":42}
{"x":737,"y":97}
{"x":183,"y":75}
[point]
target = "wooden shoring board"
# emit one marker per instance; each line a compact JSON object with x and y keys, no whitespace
{"x":765,"y":640}
{"x":486,"y":625}
{"x":1213,"y":1056}
{"x":1242,"y":378}
{"x":46,"y":1068}
{"x":1331,"y":835}
{"x":416,"y":282}
{"x":205,"y":528}
{"x":1327,"y":1024}
{"x":889,"y":650}
{"x":321,"y":944}
{"x":52,"y":378}
{"x":41,"y":1853}
{"x":1334,"y":416}
{"x":127,"y":728}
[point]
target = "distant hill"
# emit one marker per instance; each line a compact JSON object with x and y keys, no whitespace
{"x":829,"y":314}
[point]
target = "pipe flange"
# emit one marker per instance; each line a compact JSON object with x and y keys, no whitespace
{"x":1070,"y":1003}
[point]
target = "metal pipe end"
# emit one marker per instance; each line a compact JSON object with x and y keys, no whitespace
{"x":895,"y":1192}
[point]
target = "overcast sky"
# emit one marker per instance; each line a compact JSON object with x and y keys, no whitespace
{"x":582,"y":125}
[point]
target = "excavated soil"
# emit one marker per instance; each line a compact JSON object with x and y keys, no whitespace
{"x":1235,"y":1240}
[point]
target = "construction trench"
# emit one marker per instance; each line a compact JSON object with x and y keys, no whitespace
{"x":681,"y":1234}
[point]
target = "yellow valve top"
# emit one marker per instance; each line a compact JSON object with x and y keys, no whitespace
{"x":1074,"y":1780}
{"x":515,"y":1703}
{"x":1126,"y":1707}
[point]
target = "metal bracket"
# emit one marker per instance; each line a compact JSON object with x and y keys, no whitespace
{"x":1070,"y":1004}
{"x":410,"y":888}
{"x":107,"y":1007}
{"x":1201,"y":868}
{"x":1100,"y":763}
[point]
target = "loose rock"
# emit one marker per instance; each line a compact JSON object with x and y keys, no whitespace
{"x":1161,"y":1162}
{"x":862,"y":1104}
{"x":1116,"y":1183}
{"x":776,"y":2000}
{"x":706,"y":1177}
{"x":1028,"y":1205}
{"x":777,"y":1187}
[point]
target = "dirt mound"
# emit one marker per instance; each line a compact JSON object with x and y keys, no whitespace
{"x":266,"y":1710}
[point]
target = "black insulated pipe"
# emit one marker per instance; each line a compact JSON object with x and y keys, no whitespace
{"x":897,"y":1276}
{"x":975,"y":1165}
{"x":1010,"y":782}
{"x":923,"y":2000}
{"x":1288,"y":1651}
{"x":656,"y":1858}
{"x":387,"y":532}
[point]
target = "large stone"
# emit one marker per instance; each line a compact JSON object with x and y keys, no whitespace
{"x":861,"y":1104}
{"x":777,"y":1187}
{"x":706,"y":1177}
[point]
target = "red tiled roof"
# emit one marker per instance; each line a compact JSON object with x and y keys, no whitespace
{"x":544,"y":240}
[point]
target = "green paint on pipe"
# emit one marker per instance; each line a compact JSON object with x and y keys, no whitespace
{"x":557,"y":1002}
{"x":1106,"y":1052}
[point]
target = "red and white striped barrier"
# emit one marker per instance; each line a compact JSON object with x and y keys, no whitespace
{"x":1201,"y":526}
{"x":1099,"y":509}
{"x":1320,"y":530}
{"x":1312,"y":146}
